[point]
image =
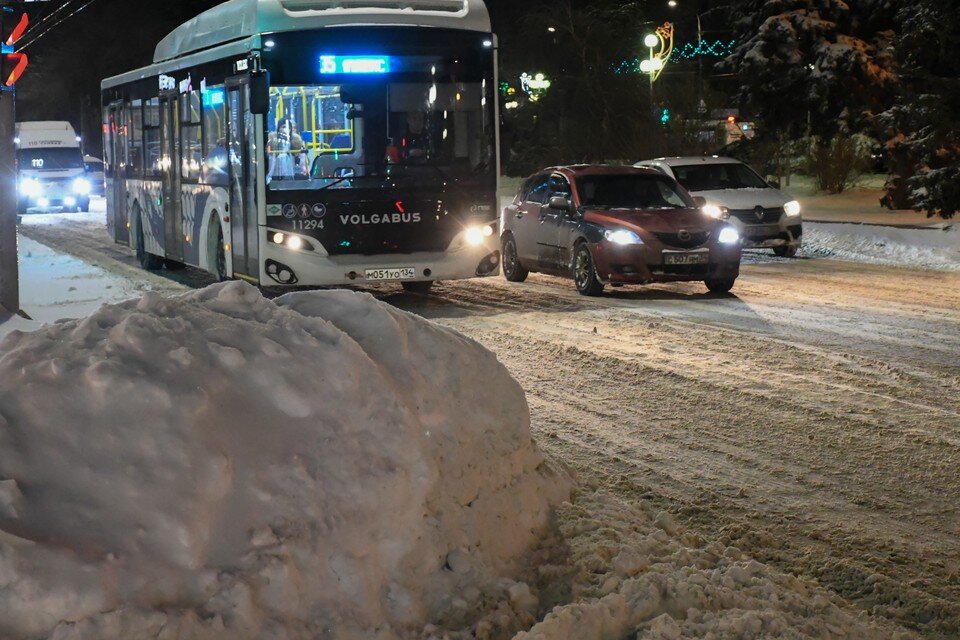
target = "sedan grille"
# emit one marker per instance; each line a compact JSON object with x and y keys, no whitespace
{"x":688,"y":240}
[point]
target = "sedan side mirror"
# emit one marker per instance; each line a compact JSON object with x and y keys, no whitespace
{"x":700,"y":201}
{"x":560,"y":203}
{"x":774,"y":183}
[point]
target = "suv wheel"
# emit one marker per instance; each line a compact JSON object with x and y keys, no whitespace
{"x":512,"y":269}
{"x":584,"y":273}
{"x":786,"y":251}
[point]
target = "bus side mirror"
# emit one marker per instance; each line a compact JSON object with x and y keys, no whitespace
{"x":259,"y":93}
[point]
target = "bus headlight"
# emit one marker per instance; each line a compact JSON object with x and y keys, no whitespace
{"x":30,"y":187}
{"x":792,"y":208}
{"x":476,"y":235}
{"x":729,"y":235}
{"x":81,"y":186}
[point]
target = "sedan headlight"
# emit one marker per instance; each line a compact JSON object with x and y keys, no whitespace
{"x":715,"y":211}
{"x":30,"y":187}
{"x":729,"y":235}
{"x":81,"y":186}
{"x":622,"y":236}
{"x":792,"y":208}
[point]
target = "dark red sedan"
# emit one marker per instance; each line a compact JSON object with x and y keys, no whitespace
{"x":615,"y":225}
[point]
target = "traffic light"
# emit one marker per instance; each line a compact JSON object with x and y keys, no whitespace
{"x":12,"y":64}
{"x":665,"y":117}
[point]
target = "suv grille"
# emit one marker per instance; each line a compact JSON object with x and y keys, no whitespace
{"x":749,"y":216}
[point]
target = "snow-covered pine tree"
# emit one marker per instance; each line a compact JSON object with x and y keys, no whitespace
{"x":812,"y":66}
{"x":923,"y":141}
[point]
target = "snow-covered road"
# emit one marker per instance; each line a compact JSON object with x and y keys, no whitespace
{"x":811,"y":420}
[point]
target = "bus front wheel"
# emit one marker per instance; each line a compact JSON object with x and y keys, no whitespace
{"x":418,"y":287}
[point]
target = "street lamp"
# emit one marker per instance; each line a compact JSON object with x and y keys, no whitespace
{"x":648,"y":66}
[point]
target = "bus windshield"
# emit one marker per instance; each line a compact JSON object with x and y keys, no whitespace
{"x":50,"y":158}
{"x":425,"y":127}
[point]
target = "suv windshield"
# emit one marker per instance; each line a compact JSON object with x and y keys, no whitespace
{"x":51,"y":159}
{"x":631,"y":191}
{"x":712,"y":177}
{"x":428,"y":124}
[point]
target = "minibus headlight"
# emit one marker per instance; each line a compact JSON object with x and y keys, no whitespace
{"x":81,"y":186}
{"x":29,"y":187}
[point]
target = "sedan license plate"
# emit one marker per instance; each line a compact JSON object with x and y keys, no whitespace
{"x":400,"y":273}
{"x":689,"y":257}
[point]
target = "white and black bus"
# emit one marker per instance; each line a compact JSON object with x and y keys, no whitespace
{"x":312,"y":142}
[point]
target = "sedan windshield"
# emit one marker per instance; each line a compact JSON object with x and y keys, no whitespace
{"x":631,"y":191}
{"x":713,"y":177}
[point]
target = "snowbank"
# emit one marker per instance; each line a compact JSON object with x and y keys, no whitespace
{"x":222,"y":466}
{"x":929,"y":248}
{"x":643,"y":577}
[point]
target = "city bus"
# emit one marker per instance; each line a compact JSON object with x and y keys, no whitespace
{"x":312,"y":142}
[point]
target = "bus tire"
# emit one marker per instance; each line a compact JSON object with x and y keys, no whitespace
{"x":147,"y":260}
{"x":422,"y":286}
{"x":173,"y":265}
{"x":220,"y":253}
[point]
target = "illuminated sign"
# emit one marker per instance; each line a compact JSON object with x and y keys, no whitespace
{"x":213,"y":97}
{"x":167,"y":83}
{"x":354,"y":64}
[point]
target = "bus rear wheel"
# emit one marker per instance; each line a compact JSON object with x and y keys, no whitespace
{"x":148,"y":261}
{"x":418,"y":287}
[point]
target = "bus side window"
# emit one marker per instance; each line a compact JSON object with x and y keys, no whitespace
{"x":107,"y":144}
{"x":136,"y":139}
{"x":214,"y":137}
{"x":151,"y":138}
{"x":191,"y":141}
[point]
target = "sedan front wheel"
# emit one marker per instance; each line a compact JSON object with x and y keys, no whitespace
{"x":584,"y":272}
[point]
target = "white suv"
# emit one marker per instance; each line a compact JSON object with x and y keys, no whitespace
{"x":765,"y":216}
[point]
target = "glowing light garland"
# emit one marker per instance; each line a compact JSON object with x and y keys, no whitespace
{"x":689,"y":51}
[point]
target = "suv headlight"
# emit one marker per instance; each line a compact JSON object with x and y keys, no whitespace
{"x":81,"y":186}
{"x":792,"y":208}
{"x":29,"y":187}
{"x":715,"y":211}
{"x":729,"y":235}
{"x":622,"y":236}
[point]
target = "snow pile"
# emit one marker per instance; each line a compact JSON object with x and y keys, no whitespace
{"x":930,"y":248}
{"x":222,"y":466}
{"x":643,"y":577}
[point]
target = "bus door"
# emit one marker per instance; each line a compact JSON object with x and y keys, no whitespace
{"x":117,"y":140}
{"x":241,"y":140}
{"x":170,"y":170}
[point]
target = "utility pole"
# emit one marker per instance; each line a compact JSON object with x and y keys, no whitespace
{"x":9,"y":269}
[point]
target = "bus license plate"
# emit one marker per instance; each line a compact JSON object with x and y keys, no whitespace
{"x":698,"y":257}
{"x":401,"y":273}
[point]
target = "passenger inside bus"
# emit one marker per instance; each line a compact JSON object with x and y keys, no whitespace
{"x":287,"y":153}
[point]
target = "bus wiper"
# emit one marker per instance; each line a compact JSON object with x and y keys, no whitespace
{"x":335,"y":182}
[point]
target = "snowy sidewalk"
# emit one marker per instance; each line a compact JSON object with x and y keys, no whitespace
{"x":54,"y":285}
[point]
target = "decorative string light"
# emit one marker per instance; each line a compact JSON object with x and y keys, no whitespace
{"x":689,"y":51}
